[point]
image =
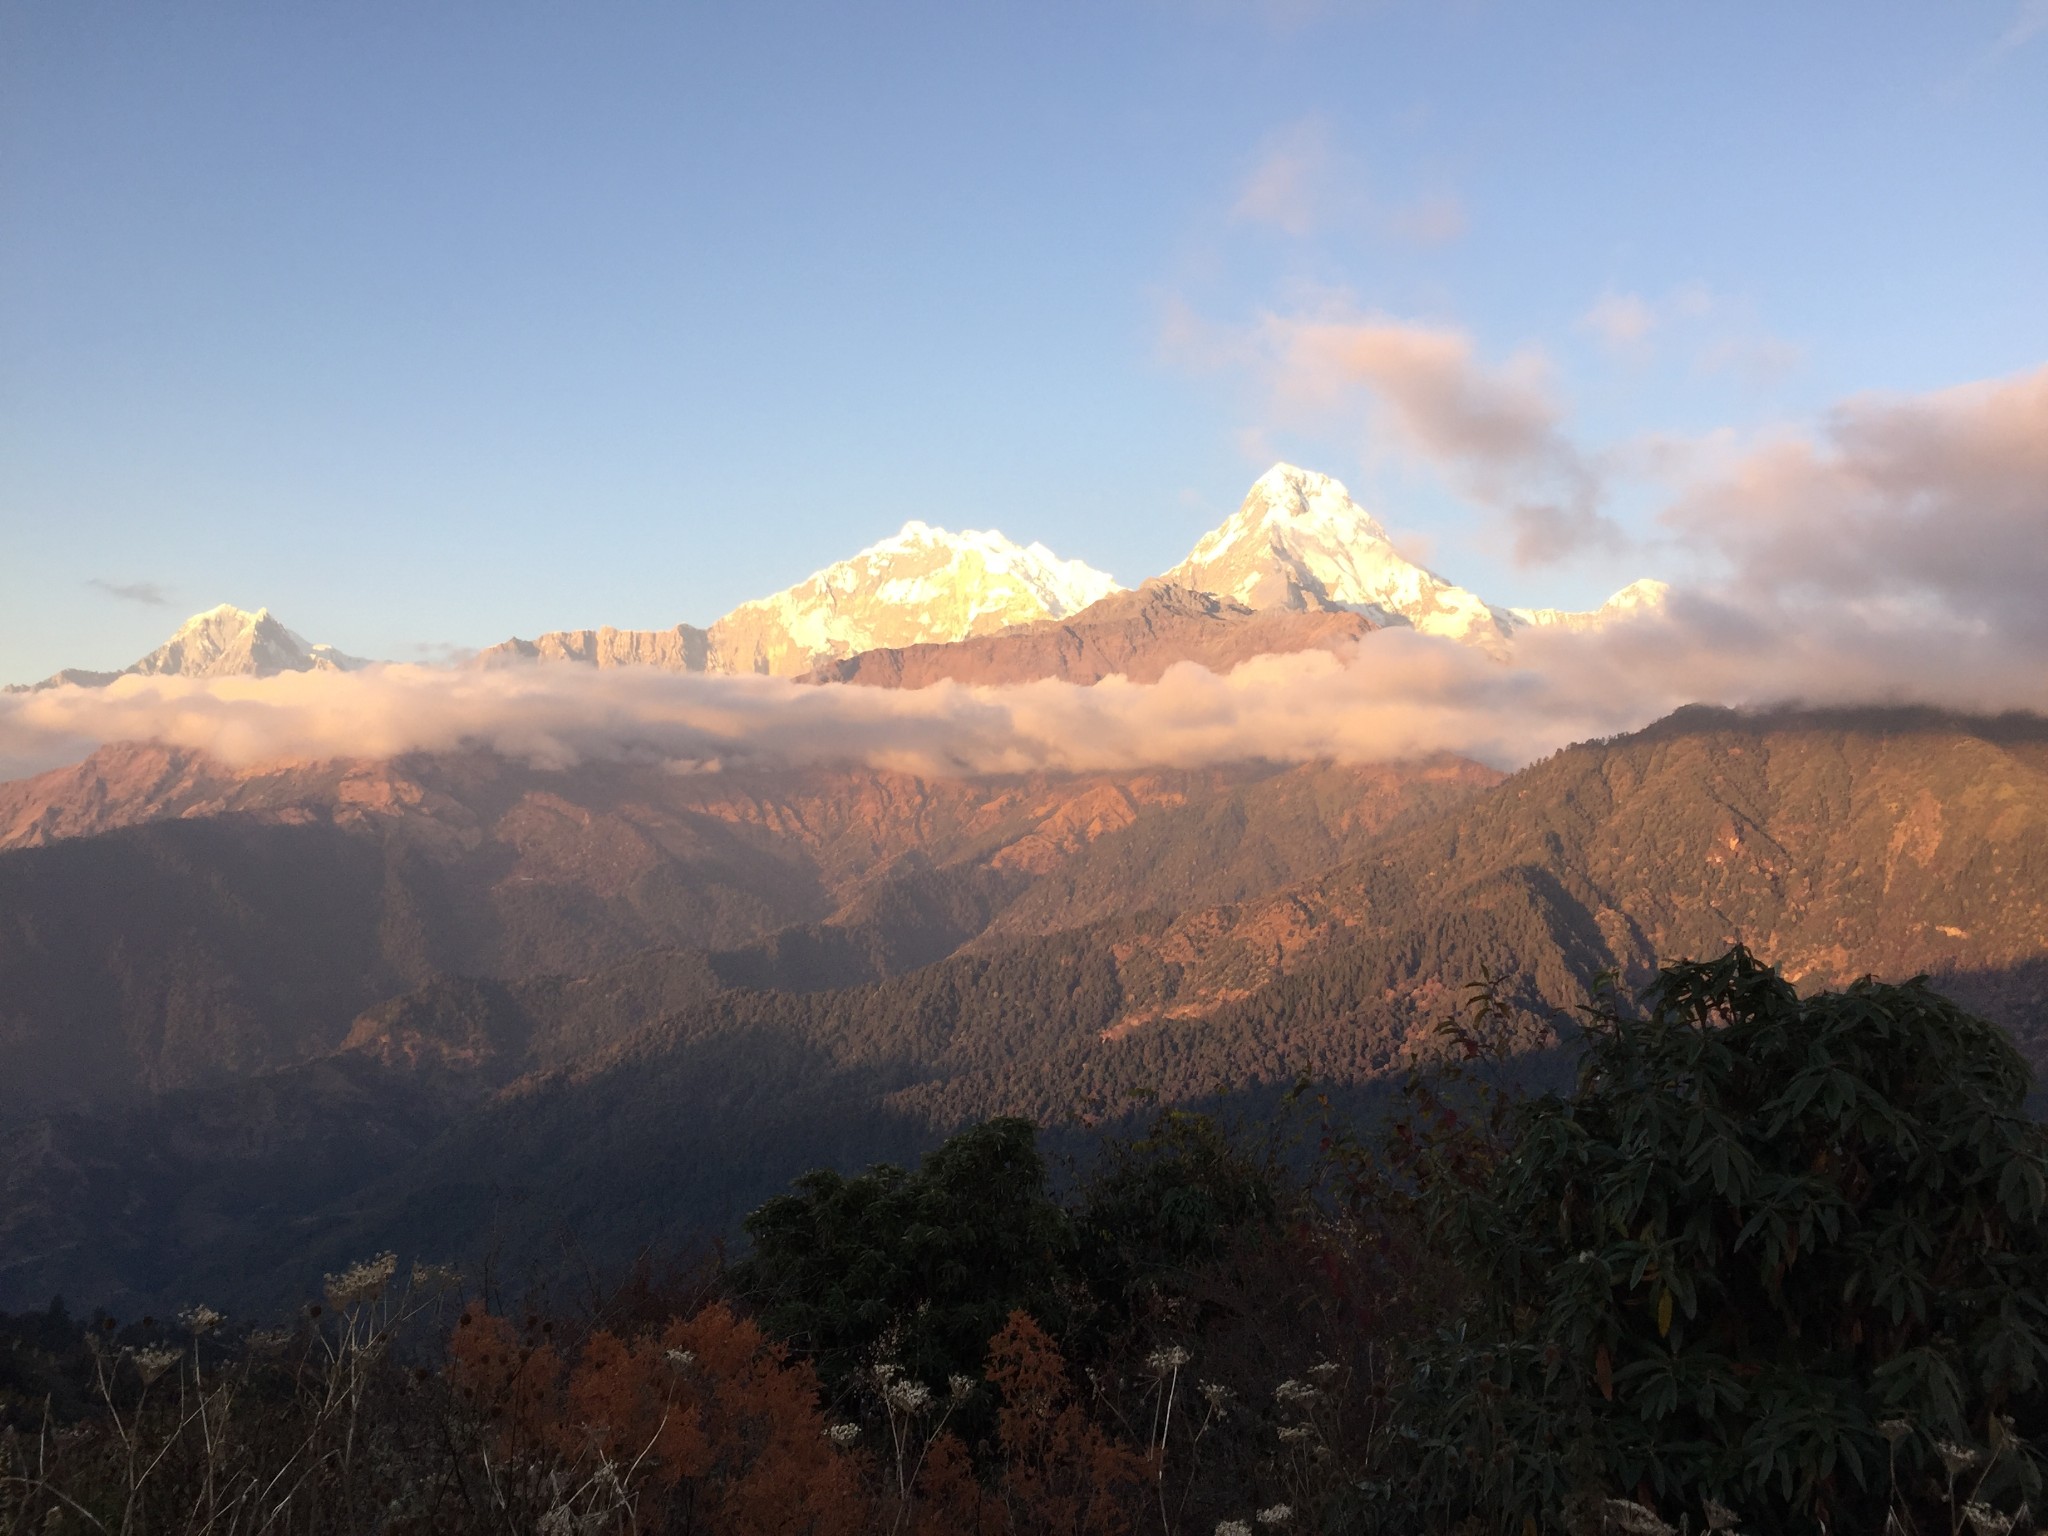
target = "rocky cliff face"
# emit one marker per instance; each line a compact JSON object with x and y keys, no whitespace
{"x":685,"y":648}
{"x":1136,"y":635}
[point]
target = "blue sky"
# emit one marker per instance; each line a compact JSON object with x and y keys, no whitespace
{"x":426,"y":325}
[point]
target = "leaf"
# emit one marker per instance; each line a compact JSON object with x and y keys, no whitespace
{"x":1603,"y":1372}
{"x":1664,"y":1314}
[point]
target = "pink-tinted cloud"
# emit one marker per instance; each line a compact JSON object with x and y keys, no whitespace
{"x":1928,"y":510}
{"x":1621,"y":320}
{"x":1495,"y":430}
{"x":1289,"y":189}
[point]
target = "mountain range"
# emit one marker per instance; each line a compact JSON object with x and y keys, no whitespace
{"x":1298,"y":544}
{"x":259,"y":1021}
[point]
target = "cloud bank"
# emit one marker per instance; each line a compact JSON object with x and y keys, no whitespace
{"x":1898,"y":555}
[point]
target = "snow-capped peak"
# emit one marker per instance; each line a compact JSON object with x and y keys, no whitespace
{"x":233,"y":642}
{"x":1300,"y":541}
{"x":225,"y":641}
{"x":1638,"y":597}
{"x":922,"y":584}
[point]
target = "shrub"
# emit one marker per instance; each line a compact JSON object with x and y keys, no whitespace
{"x":1787,"y":1255}
{"x":921,"y":1267}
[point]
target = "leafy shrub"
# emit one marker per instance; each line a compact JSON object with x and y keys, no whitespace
{"x":919,"y":1267}
{"x":1787,"y":1255}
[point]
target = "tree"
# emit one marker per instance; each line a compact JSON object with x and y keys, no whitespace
{"x":918,"y":1268}
{"x":1786,"y":1255}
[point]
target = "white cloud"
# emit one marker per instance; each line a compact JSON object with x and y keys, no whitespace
{"x":1621,"y":320}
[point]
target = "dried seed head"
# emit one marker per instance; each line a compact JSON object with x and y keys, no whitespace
{"x":1957,"y":1458}
{"x":1163,"y":1362}
{"x":363,"y":1281}
{"x":1633,"y":1519}
{"x":152,"y":1363}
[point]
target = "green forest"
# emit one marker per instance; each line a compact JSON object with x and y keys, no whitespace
{"x":1758,"y":1261}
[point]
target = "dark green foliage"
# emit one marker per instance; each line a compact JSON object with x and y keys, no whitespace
{"x":1164,"y":1203}
{"x":1772,"y":1251}
{"x":916,"y":1268}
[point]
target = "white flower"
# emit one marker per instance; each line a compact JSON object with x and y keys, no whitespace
{"x":1292,"y":1391}
{"x":1957,"y":1458}
{"x":435,"y":1277}
{"x":1895,"y":1430}
{"x":1719,"y":1516}
{"x":1985,"y":1520}
{"x":842,"y":1434}
{"x":1636,"y":1519}
{"x":1162,"y":1362}
{"x":200,"y":1319}
{"x":152,"y":1363}
{"x":1323,"y":1370}
{"x":961,"y":1387}
{"x":1293,"y":1433}
{"x":1277,"y":1514}
{"x":682,"y":1359}
{"x":362,"y":1281}
{"x":1215,"y":1394}
{"x":1232,"y":1528}
{"x":907,"y":1396}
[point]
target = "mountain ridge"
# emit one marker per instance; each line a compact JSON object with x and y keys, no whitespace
{"x":1298,"y":543}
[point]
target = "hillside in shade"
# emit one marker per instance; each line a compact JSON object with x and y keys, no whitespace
{"x":503,"y":1012}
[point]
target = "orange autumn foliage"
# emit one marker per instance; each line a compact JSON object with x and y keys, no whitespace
{"x":710,"y":1417}
{"x":1062,"y":1474}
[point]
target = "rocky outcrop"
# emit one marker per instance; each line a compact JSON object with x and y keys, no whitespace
{"x":1136,"y":635}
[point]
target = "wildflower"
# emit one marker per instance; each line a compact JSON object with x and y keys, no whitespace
{"x":1277,"y":1514}
{"x":1635,"y":1519}
{"x":961,"y":1387}
{"x":152,"y":1363}
{"x":267,"y":1339}
{"x":200,"y":1319}
{"x":435,"y":1277}
{"x":1985,"y":1520}
{"x":363,"y":1281}
{"x":1719,"y":1516}
{"x":1292,"y":1391}
{"x":1162,"y":1362}
{"x":681,"y":1359}
{"x":1895,"y":1430}
{"x":1322,"y":1371}
{"x":907,"y":1396}
{"x":1293,"y":1433}
{"x":1232,"y":1528}
{"x":1957,"y":1458}
{"x":1215,"y":1394}
{"x":842,"y":1434}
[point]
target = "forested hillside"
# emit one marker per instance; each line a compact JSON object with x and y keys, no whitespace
{"x":529,"y":1119}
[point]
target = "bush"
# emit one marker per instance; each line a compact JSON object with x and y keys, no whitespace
{"x":1783,"y":1255}
{"x":921,"y":1268}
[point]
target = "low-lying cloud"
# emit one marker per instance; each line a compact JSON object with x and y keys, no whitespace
{"x":1396,"y":694}
{"x":1895,"y":556}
